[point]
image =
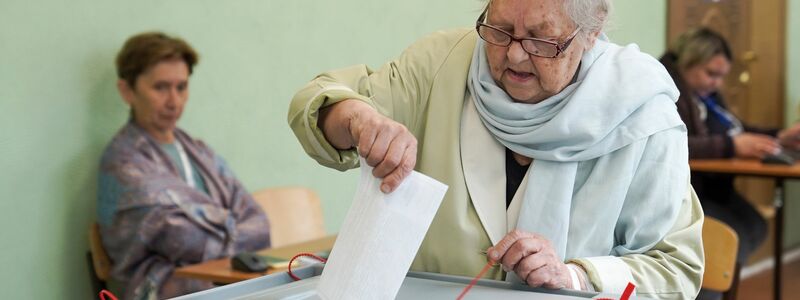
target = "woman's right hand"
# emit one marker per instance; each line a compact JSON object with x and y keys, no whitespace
{"x":753,"y":145}
{"x":385,"y":144}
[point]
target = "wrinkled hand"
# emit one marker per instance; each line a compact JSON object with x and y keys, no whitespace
{"x":753,"y":145}
{"x":386,"y":145}
{"x":790,"y":137}
{"x":532,"y":258}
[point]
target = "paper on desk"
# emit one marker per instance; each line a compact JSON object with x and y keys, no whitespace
{"x":380,"y":237}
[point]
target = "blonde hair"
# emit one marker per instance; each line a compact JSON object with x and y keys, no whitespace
{"x":697,"y":46}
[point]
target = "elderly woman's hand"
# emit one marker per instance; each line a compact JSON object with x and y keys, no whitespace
{"x":385,"y":144}
{"x":532,"y":258}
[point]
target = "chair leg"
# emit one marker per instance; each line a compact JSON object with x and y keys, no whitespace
{"x":97,"y":284}
{"x":730,"y":294}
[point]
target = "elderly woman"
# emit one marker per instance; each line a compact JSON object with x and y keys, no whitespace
{"x":699,"y":61}
{"x":165,"y":199}
{"x":564,"y":154}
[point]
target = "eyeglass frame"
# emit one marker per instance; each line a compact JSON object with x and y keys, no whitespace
{"x":560,"y":47}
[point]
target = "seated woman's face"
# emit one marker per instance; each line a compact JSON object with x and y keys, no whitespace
{"x":528,"y":78}
{"x":706,"y":78}
{"x":158,"y":98}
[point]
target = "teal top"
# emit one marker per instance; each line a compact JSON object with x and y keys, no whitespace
{"x":175,"y":157}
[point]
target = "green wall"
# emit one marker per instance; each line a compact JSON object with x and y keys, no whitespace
{"x":59,"y":105}
{"x":640,"y":22}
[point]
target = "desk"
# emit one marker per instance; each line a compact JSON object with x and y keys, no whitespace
{"x":752,"y":167}
{"x":220,"y":270}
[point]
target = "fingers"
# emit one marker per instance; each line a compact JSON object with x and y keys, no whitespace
{"x":506,"y":247}
{"x":366,"y":137}
{"x":521,"y":249}
{"x":755,"y":145}
{"x":532,"y":257}
{"x":393,"y":179}
{"x":380,"y":146}
{"x":767,"y":146}
{"x":550,"y":274}
{"x":388,"y":147}
{"x":499,"y":251}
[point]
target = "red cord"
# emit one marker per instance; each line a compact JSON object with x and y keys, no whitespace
{"x":628,"y":291}
{"x":299,"y":255}
{"x":475,"y":280}
{"x":105,"y":293}
{"x":625,"y":295}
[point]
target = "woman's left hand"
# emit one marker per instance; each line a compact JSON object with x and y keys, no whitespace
{"x":532,"y":258}
{"x":790,"y":137}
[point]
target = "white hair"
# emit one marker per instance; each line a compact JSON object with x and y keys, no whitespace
{"x":590,"y":15}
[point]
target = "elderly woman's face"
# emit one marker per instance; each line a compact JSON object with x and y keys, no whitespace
{"x":528,"y":78}
{"x":158,"y":97}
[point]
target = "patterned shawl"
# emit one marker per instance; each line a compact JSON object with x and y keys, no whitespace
{"x":152,"y":222}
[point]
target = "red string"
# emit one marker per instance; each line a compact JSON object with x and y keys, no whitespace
{"x":105,"y":293}
{"x":625,"y":295}
{"x":628,"y":291}
{"x":299,"y":255}
{"x":475,"y":280}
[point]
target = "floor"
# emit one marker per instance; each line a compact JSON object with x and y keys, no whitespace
{"x":759,"y":286}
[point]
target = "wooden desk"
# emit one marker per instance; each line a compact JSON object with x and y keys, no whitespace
{"x":753,"y":167}
{"x":220,"y":270}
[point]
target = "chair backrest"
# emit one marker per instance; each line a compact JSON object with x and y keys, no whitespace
{"x":720,"y":244}
{"x":100,"y":260}
{"x":295,"y":214}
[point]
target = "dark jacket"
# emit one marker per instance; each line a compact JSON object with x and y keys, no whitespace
{"x":707,"y":138}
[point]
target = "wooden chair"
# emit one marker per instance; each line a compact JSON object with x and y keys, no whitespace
{"x":99,"y":263}
{"x":295,"y":214}
{"x":720,"y":245}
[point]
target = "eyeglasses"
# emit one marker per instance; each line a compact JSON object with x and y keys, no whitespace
{"x":533,"y":46}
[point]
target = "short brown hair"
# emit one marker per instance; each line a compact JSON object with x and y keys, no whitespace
{"x":698,"y":45}
{"x":147,"y":49}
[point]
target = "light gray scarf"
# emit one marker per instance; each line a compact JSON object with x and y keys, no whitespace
{"x":620,"y":96}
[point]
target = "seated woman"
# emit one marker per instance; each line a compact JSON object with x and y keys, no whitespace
{"x":698,"y":62}
{"x":564,"y":154}
{"x":164,"y":198}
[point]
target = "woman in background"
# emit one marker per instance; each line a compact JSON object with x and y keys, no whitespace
{"x":165,"y":199}
{"x":698,"y":62}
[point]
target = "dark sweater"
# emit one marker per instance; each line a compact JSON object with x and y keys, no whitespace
{"x":707,"y":138}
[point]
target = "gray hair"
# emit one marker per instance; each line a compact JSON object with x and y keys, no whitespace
{"x":590,"y":15}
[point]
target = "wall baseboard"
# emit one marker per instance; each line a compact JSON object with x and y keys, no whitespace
{"x":769,"y":263}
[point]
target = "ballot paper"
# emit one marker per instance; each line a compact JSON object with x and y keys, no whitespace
{"x":380,"y":237}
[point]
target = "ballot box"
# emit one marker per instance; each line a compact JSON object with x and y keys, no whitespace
{"x":417,"y":285}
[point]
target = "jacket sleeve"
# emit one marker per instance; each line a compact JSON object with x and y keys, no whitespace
{"x":710,"y":146}
{"x":701,"y":143}
{"x":773,"y":132}
{"x":252,"y":230}
{"x":399,"y":90}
